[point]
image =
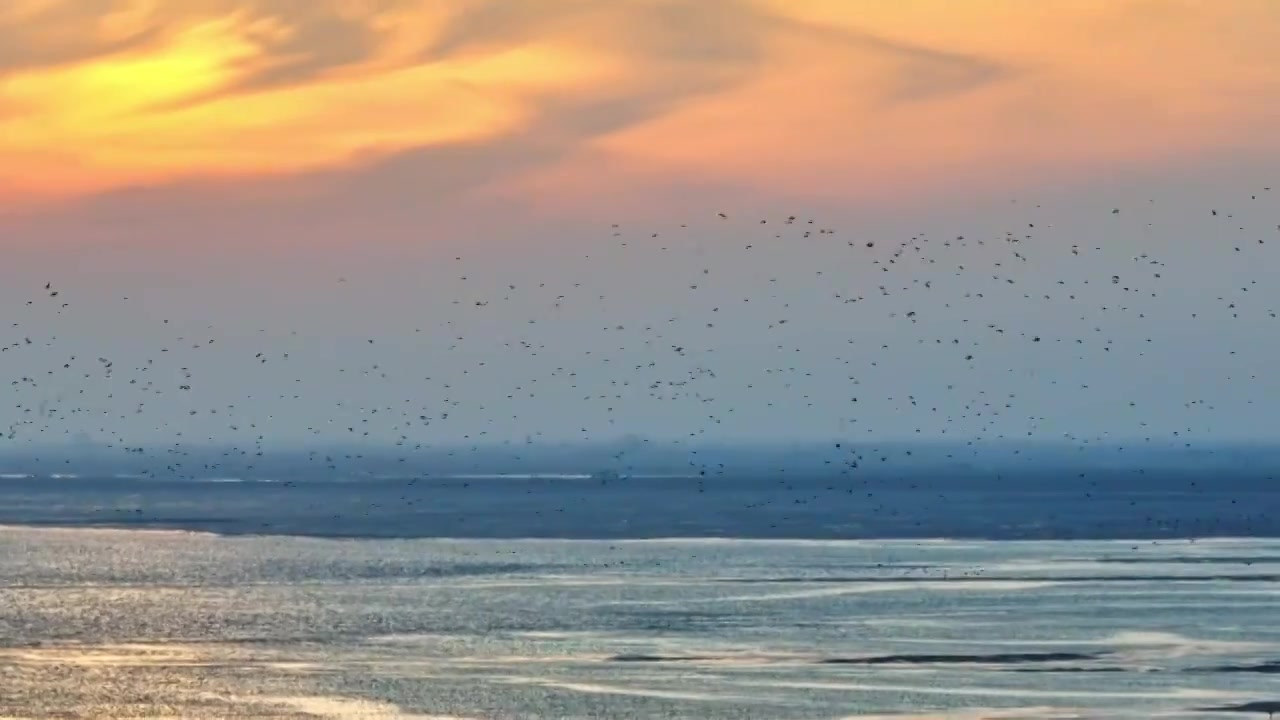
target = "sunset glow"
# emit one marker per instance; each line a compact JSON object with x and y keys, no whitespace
{"x":106,"y":95}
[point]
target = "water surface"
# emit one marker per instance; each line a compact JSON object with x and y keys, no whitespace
{"x":131,"y":623}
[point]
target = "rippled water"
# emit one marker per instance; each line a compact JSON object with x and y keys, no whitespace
{"x":116,"y":623}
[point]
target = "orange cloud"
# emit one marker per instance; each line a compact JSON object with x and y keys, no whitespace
{"x":863,"y":98}
{"x":173,"y":108}
{"x":834,"y":96}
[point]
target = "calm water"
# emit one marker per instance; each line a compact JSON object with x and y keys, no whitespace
{"x":121,"y":623}
{"x":1030,"y":506}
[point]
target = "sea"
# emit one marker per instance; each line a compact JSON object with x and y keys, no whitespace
{"x":116,"y":610}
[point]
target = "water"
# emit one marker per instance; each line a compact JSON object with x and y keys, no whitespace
{"x":141,"y":623}
{"x":1046,"y":505}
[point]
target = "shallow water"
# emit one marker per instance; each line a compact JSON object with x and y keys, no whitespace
{"x":120,"y":623}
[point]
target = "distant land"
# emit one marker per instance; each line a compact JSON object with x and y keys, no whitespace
{"x":634,"y":456}
{"x":636,"y":490}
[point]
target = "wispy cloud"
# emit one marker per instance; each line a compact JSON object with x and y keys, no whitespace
{"x":224,"y":86}
{"x":103,"y":94}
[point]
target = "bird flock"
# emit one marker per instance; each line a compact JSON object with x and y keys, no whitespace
{"x":720,"y":325}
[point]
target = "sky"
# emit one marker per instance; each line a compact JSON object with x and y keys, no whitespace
{"x":307,"y":176}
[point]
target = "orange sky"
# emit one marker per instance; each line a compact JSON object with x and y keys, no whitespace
{"x":807,"y":97}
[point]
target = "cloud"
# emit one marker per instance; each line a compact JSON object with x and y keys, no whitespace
{"x":816,"y":95}
{"x":918,"y":72}
{"x":49,"y":33}
{"x":107,"y":94}
{"x":43,"y":33}
{"x":224,"y":87}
